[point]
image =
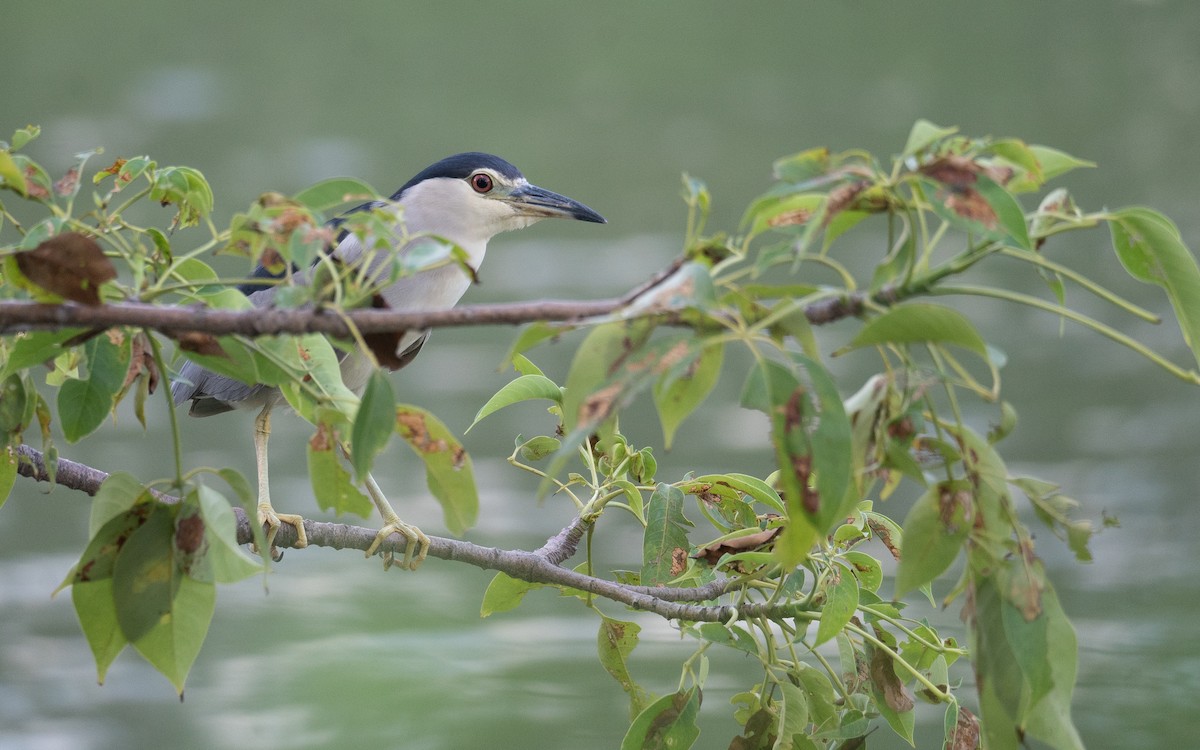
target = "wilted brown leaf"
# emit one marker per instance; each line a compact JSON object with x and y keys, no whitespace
{"x":970,"y":204}
{"x":966,"y":732}
{"x":67,"y":183}
{"x":199,"y":343}
{"x":713,"y":552}
{"x":883,"y":674}
{"x":955,"y":171}
{"x":842,"y":198}
{"x":70,"y":265}
{"x":142,"y":360}
{"x":790,"y":218}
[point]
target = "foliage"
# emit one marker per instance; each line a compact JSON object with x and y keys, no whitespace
{"x":799,"y":559}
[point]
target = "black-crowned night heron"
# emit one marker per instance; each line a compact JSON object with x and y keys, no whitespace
{"x":466,"y":199}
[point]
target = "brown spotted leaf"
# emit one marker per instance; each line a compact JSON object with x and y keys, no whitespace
{"x":70,"y":265}
{"x":713,"y":552}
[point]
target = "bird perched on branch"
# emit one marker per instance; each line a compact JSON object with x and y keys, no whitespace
{"x":465,"y":199}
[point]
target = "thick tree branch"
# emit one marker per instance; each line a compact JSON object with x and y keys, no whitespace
{"x":540,"y":567}
{"x":24,"y":316}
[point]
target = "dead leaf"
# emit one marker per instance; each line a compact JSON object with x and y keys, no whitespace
{"x":70,"y":265}
{"x":67,"y":184}
{"x":966,"y":732}
{"x":954,"y":171}
{"x":883,"y":675}
{"x":141,"y":360}
{"x":198,"y":342}
{"x":713,"y":552}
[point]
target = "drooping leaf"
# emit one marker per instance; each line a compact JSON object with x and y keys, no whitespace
{"x":504,"y":593}
{"x":144,"y":577}
{"x":172,"y":644}
{"x":841,"y":600}
{"x":615,"y":642}
{"x":664,"y":543}
{"x":97,"y":613}
{"x":669,"y":722}
{"x":448,"y":469}
{"x":331,"y":483}
{"x":596,"y":360}
{"x":228,"y":562}
{"x":84,"y":404}
{"x":8,"y":471}
{"x":934,"y":531}
{"x":684,"y":387}
{"x":1152,"y":250}
{"x":374,"y":422}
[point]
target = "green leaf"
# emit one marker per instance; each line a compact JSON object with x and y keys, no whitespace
{"x":841,"y":600}
{"x":669,"y":722}
{"x":187,"y":189}
{"x":172,"y":645}
{"x":84,"y":404}
{"x":228,"y":562}
{"x":504,"y":593}
{"x":615,"y":642}
{"x":1151,"y":249}
{"x":920,"y":322}
{"x":793,"y":719}
{"x":119,"y":492}
{"x":664,"y":543}
{"x":333,"y":192}
{"x":97,"y":615}
{"x":144,"y":575}
{"x":1055,"y":162}
{"x":34,"y":348}
{"x":535,"y":449}
{"x":684,"y":387}
{"x":865,"y":568}
{"x":923,"y":135}
{"x":448,"y":469}
{"x":11,"y":174}
{"x":604,"y":348}
{"x":8,"y":471}
{"x":524,"y":388}
{"x":331,"y":483}
{"x":934,"y":531}
{"x":373,"y":423}
{"x":1009,"y":214}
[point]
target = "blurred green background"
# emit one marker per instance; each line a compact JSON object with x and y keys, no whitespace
{"x":607,"y":103}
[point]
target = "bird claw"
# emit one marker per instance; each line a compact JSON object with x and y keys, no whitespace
{"x":415,"y":550}
{"x":271,"y":521}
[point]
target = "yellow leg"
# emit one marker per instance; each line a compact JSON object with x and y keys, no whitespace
{"x":418,"y":543}
{"x":266,"y":514}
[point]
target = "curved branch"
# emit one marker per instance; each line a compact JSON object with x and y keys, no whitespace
{"x":540,"y":566}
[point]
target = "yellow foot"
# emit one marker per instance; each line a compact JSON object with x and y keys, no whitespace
{"x":414,"y":551}
{"x":271,"y":521}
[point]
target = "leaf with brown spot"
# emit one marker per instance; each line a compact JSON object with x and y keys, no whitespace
{"x":448,"y":469}
{"x":68,"y":183}
{"x":142,"y":361}
{"x":70,"y":265}
{"x":970,"y":204}
{"x":842,"y":198}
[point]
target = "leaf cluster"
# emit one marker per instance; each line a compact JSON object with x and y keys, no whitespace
{"x":797,"y":562}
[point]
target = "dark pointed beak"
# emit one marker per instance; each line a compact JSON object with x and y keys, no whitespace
{"x":532,"y":200}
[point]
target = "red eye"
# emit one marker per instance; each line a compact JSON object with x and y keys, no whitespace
{"x":481,"y":182}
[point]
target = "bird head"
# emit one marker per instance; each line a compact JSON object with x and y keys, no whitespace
{"x":471,"y":197}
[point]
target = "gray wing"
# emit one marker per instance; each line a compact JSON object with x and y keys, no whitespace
{"x":211,"y":393}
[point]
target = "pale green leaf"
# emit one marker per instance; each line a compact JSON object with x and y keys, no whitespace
{"x":918,"y":322}
{"x":841,"y":600}
{"x":524,"y":388}
{"x":934,"y":531}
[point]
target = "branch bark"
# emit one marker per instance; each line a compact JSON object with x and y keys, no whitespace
{"x":24,"y":316}
{"x":541,"y":566}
